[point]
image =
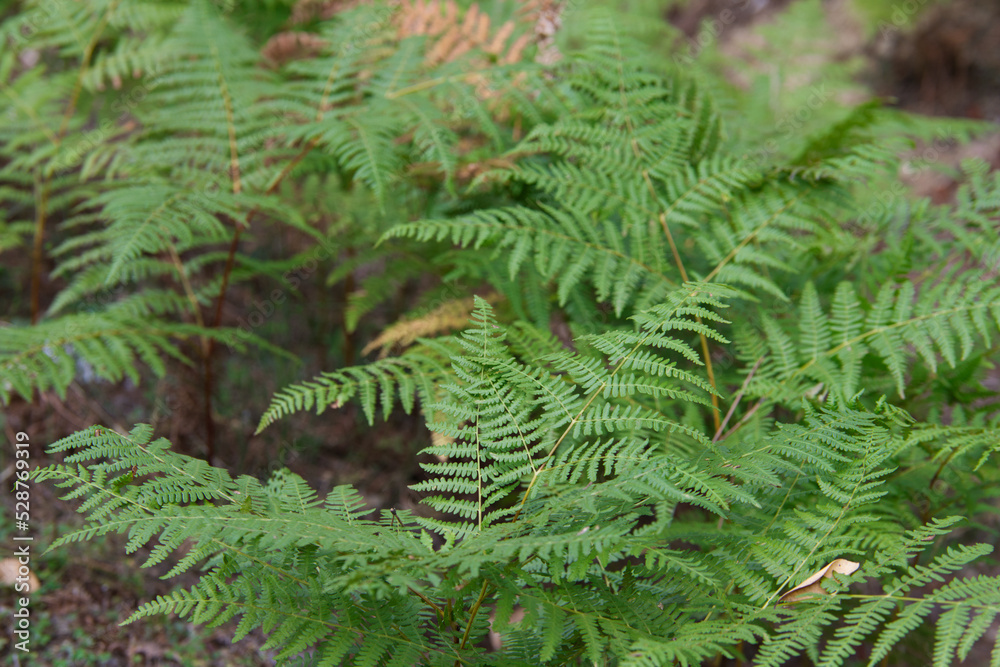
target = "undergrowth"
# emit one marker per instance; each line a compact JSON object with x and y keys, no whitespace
{"x":700,"y":364}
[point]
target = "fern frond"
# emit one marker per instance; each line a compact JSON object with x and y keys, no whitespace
{"x":106,"y":345}
{"x":413,"y":375}
{"x":943,"y":321}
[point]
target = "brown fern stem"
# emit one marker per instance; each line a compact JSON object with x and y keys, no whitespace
{"x":237,"y":187}
{"x":209,"y":347}
{"x":736,"y":401}
{"x":937,"y":473}
{"x":705,"y":352}
{"x":41,"y":182}
{"x":221,"y":298}
{"x":287,"y":169}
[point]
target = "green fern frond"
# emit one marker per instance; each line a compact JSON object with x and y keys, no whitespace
{"x":943,"y":321}
{"x":611,"y":480}
{"x":412,"y":375}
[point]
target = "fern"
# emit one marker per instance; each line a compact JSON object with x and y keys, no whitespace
{"x":110,"y":346}
{"x":943,"y":321}
{"x":704,"y":369}
{"x":412,"y":375}
{"x":532,"y":560}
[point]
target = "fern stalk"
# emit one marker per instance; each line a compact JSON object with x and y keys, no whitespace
{"x":40,"y":215}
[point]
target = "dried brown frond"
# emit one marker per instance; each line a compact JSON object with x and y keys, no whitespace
{"x":456,"y":33}
{"x":449,"y":316}
{"x":546,"y":15}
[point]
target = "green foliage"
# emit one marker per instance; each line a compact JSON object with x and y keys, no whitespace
{"x":763,"y":367}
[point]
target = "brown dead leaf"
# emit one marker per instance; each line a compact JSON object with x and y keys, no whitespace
{"x":812,"y":585}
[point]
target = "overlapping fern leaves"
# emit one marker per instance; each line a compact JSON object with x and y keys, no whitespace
{"x":636,"y":161}
{"x":943,"y":322}
{"x":584,"y":496}
{"x":594,"y":567}
{"x":190,"y":150}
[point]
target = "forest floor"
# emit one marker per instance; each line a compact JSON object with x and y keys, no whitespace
{"x":935,"y":67}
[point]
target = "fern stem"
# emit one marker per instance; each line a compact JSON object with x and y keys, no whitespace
{"x":427,"y":601}
{"x":234,"y":168}
{"x":88,"y":53}
{"x":941,"y":468}
{"x":186,"y":284}
{"x":670,"y":239}
{"x":736,"y":402}
{"x":705,"y":352}
{"x":280,"y":176}
{"x":472,"y":614}
{"x":227,"y":103}
{"x":745,"y":418}
{"x":210,"y":351}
